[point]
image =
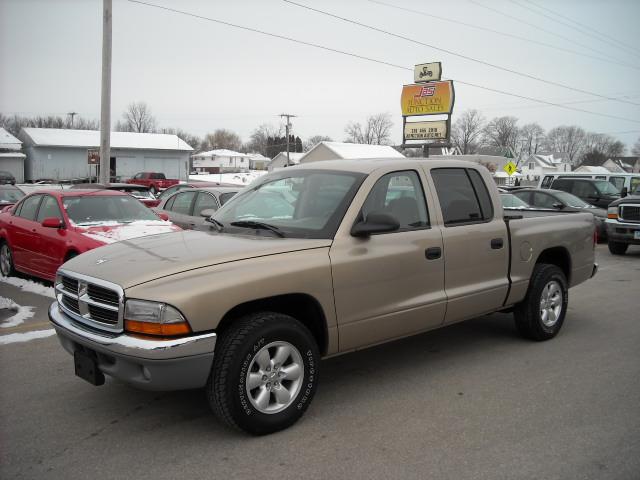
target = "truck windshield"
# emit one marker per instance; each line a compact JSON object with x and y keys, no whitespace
{"x":100,"y":209}
{"x":300,"y":204}
{"x":606,"y":188}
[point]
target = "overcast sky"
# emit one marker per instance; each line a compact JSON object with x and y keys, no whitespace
{"x":199,"y":75}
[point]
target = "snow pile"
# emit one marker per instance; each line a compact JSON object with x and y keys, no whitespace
{"x":111,"y":233}
{"x":29,"y":286}
{"x":25,"y":337}
{"x":22,"y":313}
{"x":232,"y":178}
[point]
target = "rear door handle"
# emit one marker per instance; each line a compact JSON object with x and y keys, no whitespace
{"x":497,"y":243}
{"x":433,"y":253}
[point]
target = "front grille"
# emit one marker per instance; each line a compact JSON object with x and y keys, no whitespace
{"x":96,"y":303}
{"x":102,"y":295}
{"x":630,"y":213}
{"x":103,"y":315}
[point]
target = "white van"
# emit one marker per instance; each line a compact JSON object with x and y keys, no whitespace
{"x":619,"y":180}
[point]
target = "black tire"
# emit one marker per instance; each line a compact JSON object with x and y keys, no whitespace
{"x":236,"y":352}
{"x":528,"y":314}
{"x":7,"y":268}
{"x":617,"y":248}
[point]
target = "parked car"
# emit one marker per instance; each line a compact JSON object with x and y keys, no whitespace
{"x":559,"y":200}
{"x":9,"y":196}
{"x":624,"y":182}
{"x":140,"y":192}
{"x":599,"y":193}
{"x":155,"y":181}
{"x":171,"y":190}
{"x":511,"y":202}
{"x":6,"y":178}
{"x":316,"y":260}
{"x":190,"y":207}
{"x":47,"y":228}
{"x":623,"y":223}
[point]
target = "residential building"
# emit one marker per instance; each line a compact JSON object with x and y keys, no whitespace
{"x":536,"y":165}
{"x":280,"y":160}
{"x":11,"y":156}
{"x":221,"y":161}
{"x":344,"y":151}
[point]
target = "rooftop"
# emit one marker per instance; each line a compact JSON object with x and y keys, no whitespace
{"x":8,"y":141}
{"x":359,"y":150}
{"x":57,"y":137}
{"x":221,"y":152}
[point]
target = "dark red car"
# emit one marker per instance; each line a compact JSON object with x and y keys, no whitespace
{"x":47,"y":228}
{"x":140,"y":192}
{"x":155,"y":181}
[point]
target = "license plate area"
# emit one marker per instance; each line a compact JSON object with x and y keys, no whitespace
{"x":87,"y":367}
{"x":636,"y":235}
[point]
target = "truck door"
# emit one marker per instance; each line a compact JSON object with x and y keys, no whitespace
{"x":389,"y":284}
{"x":476,"y":249}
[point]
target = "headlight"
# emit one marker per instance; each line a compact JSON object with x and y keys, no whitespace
{"x":154,"y":318}
{"x":612,"y":212}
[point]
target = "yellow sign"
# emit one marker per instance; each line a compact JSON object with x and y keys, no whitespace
{"x":510,"y":168}
{"x":434,"y":130}
{"x":432,"y":98}
{"x":427,"y":72}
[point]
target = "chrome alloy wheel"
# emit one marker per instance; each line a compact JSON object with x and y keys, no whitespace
{"x":5,"y":260}
{"x":275,"y":377}
{"x":551,"y":303}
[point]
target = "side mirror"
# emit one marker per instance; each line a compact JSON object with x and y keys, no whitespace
{"x":375,"y":223}
{"x":624,"y":192}
{"x":163,"y":216}
{"x":207,"y":212}
{"x":558,"y":206}
{"x":52,"y":222}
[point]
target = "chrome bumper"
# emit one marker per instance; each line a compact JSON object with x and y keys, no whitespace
{"x":176,"y":364}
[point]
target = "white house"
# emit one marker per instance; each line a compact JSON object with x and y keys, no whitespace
{"x":348,"y":151}
{"x":537,"y":165}
{"x":257,"y":161}
{"x":61,"y":154}
{"x":593,"y":169}
{"x":220,"y":161}
{"x":280,"y":160}
{"x":11,"y":157}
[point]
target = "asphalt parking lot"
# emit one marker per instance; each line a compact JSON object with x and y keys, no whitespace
{"x":471,"y":401}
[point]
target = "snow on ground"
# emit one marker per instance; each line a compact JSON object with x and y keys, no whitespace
{"x":25,"y":337}
{"x":22,"y":313}
{"x":234,"y":178}
{"x":29,"y":286}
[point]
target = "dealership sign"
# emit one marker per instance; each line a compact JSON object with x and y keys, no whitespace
{"x":430,"y":130}
{"x":93,"y":157}
{"x":433,"y":98}
{"x":427,"y":72}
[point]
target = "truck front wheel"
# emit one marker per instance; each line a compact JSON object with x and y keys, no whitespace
{"x":264,"y":374}
{"x":541,"y":314}
{"x":617,"y":248}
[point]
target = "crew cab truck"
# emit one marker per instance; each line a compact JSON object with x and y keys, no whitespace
{"x":314,"y":261}
{"x":154,"y":181}
{"x":623,"y":223}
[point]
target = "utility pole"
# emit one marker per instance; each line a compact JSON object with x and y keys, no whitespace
{"x":105,"y":106}
{"x":72,"y":114}
{"x":287,"y":127}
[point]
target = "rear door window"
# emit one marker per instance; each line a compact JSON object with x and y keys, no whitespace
{"x":458,"y":199}
{"x":182,"y":203}
{"x":543,"y":200}
{"x":205,"y":201}
{"x":30,"y":207}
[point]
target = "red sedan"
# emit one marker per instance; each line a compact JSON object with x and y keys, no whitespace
{"x":47,"y":228}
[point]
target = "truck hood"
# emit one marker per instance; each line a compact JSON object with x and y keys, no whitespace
{"x":132,"y":262}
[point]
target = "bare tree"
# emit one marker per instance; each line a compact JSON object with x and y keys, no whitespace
{"x":313,"y":141}
{"x":466,"y":131}
{"x":258,"y":141}
{"x":13,"y":124}
{"x":636,"y":148}
{"x":137,"y":118}
{"x":221,"y":138}
{"x":502,"y":132}
{"x":567,"y":139}
{"x":532,"y":136}
{"x":376,"y":131}
{"x":192,"y":140}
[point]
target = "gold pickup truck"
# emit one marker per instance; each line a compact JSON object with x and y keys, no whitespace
{"x":309,"y":262}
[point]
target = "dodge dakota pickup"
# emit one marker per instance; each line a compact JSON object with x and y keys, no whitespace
{"x":309,"y":262}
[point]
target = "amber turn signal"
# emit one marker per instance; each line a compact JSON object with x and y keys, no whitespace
{"x":159,"y":329}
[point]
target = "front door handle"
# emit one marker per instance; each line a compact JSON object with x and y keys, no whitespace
{"x":433,"y":253}
{"x":497,"y":243}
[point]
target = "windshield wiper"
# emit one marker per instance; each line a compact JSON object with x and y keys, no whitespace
{"x":258,"y":225}
{"x":219,"y":225}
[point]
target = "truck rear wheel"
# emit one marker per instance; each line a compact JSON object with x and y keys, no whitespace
{"x":617,"y":248}
{"x":541,"y":314}
{"x":264,"y":374}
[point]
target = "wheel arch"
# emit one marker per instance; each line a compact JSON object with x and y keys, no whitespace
{"x":558,"y":256}
{"x":301,"y":306}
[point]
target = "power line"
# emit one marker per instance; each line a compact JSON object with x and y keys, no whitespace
{"x":369,"y":59}
{"x":551,"y":32}
{"x":586,"y":27}
{"x":505,"y":34}
{"x":460,"y":55}
{"x":587,"y":33}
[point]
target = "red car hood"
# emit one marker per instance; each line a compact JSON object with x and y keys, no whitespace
{"x":115,"y":232}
